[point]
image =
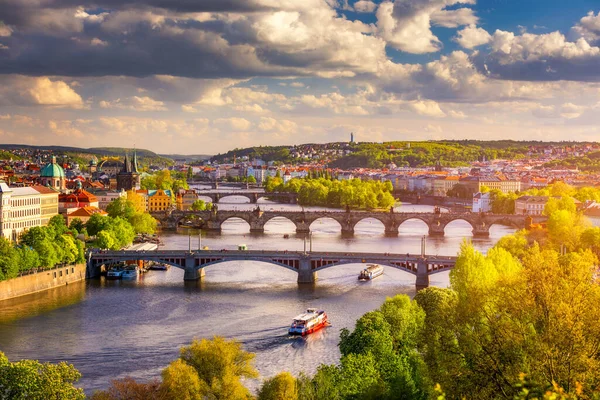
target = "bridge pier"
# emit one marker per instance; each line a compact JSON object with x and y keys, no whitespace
{"x":213,"y":225}
{"x":305,"y":272}
{"x":436,"y":229}
{"x":191,"y":273}
{"x":422,"y":275}
{"x":347,"y":231}
{"x":391,"y":230}
{"x":302,"y":228}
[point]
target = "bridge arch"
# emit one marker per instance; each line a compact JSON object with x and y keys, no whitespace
{"x":281,"y":218}
{"x":261,"y":260}
{"x":234,"y":220}
{"x":313,"y":225}
{"x":250,"y":197}
{"x":458,"y":221}
{"x":417,"y":222}
{"x":370,"y":225}
{"x":410,"y":267}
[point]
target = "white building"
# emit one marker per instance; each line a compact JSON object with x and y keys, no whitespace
{"x":21,"y":209}
{"x":105,"y":198}
{"x":482,"y":202}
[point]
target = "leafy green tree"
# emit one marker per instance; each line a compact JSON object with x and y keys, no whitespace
{"x":251,"y":179}
{"x":121,"y":207}
{"x":143,"y":223}
{"x":59,"y":225}
{"x":198,"y":205}
{"x":9,"y":260}
{"x":97,"y":223}
{"x":190,"y":174}
{"x":28,"y":258}
{"x":280,"y":387}
{"x":220,"y":364}
{"x":180,"y":381}
{"x":29,"y":379}
{"x":78,"y":225}
{"x":106,"y":240}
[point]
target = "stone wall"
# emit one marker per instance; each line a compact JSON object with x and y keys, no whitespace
{"x":41,"y":281}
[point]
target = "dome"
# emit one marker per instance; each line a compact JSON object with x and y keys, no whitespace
{"x":52,"y":170}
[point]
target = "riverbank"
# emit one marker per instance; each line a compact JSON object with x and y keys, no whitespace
{"x":41,"y":281}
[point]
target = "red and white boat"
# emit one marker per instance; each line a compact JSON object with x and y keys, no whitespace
{"x":310,"y":321}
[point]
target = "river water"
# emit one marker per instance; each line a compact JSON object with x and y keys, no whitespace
{"x":113,"y":329}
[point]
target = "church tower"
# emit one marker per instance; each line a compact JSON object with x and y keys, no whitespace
{"x":129,"y":177}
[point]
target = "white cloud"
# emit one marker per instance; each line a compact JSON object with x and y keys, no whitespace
{"x":27,"y":91}
{"x":588,"y":27}
{"x":407,"y":25}
{"x":135,"y":103}
{"x":233,"y":124}
{"x":5,"y":30}
{"x":472,"y":36}
{"x":364,"y":6}
{"x":98,"y":42}
{"x":427,"y":108}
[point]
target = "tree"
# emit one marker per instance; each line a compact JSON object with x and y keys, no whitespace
{"x":281,"y":387}
{"x":190,"y":173}
{"x":121,"y":207}
{"x":129,"y":389}
{"x":180,"y":381}
{"x":198,"y":205}
{"x":106,"y":240}
{"x":9,"y":260}
{"x":143,"y":223}
{"x":220,"y":364}
{"x":251,"y":179}
{"x":29,"y":379}
{"x":58,"y":223}
{"x":78,"y":225}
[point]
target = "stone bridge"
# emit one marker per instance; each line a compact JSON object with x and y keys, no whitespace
{"x":252,"y":195}
{"x":307,"y":265}
{"x":436,"y":222}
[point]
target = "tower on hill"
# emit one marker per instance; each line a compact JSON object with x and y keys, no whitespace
{"x":351,"y":137}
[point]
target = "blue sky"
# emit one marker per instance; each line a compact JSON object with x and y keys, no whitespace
{"x":210,"y":75}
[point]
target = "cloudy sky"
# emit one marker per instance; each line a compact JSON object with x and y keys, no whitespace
{"x":205,"y":76}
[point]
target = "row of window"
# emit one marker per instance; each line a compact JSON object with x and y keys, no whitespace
{"x":26,"y":224}
{"x":60,"y":272}
{"x":24,"y":202}
{"x":25,"y":213}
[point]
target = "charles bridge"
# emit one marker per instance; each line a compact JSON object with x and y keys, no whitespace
{"x":305,"y":264}
{"x":252,"y":194}
{"x":257,"y":219}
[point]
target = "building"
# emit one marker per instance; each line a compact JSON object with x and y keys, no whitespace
{"x":129,"y":178}
{"x":67,"y":203}
{"x":530,"y":205}
{"x":482,"y":202}
{"x":48,"y":202}
{"x":442,"y":185}
{"x":106,"y":197}
{"x":185,"y":199}
{"x":53,"y":175}
{"x":475,"y":184}
{"x":84,"y":214}
{"x":21,"y":210}
{"x":110,"y":167}
{"x":159,"y":200}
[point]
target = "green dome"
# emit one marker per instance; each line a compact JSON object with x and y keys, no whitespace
{"x":52,"y":170}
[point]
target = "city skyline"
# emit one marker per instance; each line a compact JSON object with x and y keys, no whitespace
{"x":205,"y":77}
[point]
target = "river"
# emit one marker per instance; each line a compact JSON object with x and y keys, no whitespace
{"x":113,"y":329}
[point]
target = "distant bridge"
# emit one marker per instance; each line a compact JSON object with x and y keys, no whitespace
{"x":436,"y":222}
{"x":307,"y":265}
{"x":252,"y":194}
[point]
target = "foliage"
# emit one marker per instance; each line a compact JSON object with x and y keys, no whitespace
{"x":220,"y":364}
{"x":200,"y":205}
{"x":281,"y":387}
{"x":181,"y":381}
{"x":353,"y":193}
{"x":129,"y":389}
{"x":111,"y":233}
{"x":165,"y":180}
{"x":140,"y":221}
{"x":30,"y":379}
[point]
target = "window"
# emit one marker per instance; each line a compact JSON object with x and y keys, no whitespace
{"x":67,"y":271}
{"x":54,"y":274}
{"x":60,"y":273}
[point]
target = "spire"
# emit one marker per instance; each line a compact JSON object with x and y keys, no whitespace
{"x":134,"y":167}
{"x":126,"y":164}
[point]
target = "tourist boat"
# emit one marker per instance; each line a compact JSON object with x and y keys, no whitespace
{"x":372,"y":271}
{"x":159,"y":267}
{"x":130,"y":273}
{"x":310,"y":321}
{"x":114,"y":273}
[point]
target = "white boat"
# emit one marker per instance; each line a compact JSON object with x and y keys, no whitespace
{"x":114,"y":273}
{"x":310,"y":321}
{"x":130,"y":273}
{"x":371,"y":272}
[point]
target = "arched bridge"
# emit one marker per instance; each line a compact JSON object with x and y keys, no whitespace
{"x":307,"y":265}
{"x":252,"y":195}
{"x":436,"y":222}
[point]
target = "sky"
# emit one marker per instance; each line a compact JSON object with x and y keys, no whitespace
{"x":207,"y":76}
